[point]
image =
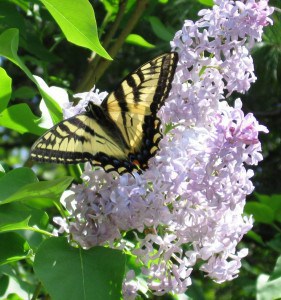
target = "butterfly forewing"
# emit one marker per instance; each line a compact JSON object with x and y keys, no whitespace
{"x":124,"y":132}
{"x":140,"y":94}
{"x":144,"y":90}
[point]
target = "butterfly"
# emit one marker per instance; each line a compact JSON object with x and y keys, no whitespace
{"x":122,"y":133}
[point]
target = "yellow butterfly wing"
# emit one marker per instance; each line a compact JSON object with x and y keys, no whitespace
{"x":121,"y":134}
{"x":134,"y":104}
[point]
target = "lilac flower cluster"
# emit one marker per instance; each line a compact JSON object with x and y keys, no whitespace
{"x":194,"y":191}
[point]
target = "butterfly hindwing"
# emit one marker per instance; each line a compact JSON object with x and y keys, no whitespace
{"x":121,"y":134}
{"x":77,"y":139}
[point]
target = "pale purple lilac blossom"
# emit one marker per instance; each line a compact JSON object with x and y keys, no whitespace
{"x":194,"y":192}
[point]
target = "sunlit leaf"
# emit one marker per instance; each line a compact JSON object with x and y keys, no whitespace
{"x":77,"y":21}
{"x":41,"y":191}
{"x":21,"y":119}
{"x":268,"y":287}
{"x":261,"y":213}
{"x":206,"y":2}
{"x":5,"y":89}
{"x":272,"y":201}
{"x":138,"y":40}
{"x":9,"y":41}
{"x":277,"y":270}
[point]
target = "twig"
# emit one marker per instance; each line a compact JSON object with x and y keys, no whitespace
{"x":37,"y":291}
{"x":91,"y":70}
{"x":93,"y":75}
{"x":104,"y":64}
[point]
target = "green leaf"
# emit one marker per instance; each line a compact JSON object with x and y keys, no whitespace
{"x":275,"y":243}
{"x":18,"y":283}
{"x":277,"y":270}
{"x":9,"y":41}
{"x":39,"y":192}
{"x":160,"y":29}
{"x":87,"y":274}
{"x":10,"y":17}
{"x":256,"y":237}
{"x":274,"y":202}
{"x":20,"y":118}
{"x":24,"y":5}
{"x":4,"y":282}
{"x":12,"y":248}
{"x":261,"y":212}
{"x":24,"y":92}
{"x":17,"y":216}
{"x":207,"y":2}
{"x":138,"y":40}
{"x":5,"y":89}
{"x":268,"y":287}
{"x":23,"y":225}
{"x":265,"y":199}
{"x":33,"y":44}
{"x":14,"y":296}
{"x":14,"y":181}
{"x":2,"y":171}
{"x":77,"y":21}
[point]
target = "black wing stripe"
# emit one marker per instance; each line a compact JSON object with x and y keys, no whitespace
{"x":131,"y":81}
{"x":168,"y":68}
{"x":140,"y":74}
{"x":80,"y":124}
{"x":121,"y":98}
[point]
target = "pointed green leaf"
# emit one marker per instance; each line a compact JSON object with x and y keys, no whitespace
{"x":272,"y":201}
{"x":20,"y":118}
{"x":41,"y":191}
{"x":24,"y":92}
{"x":22,"y":225}
{"x":138,"y":40}
{"x":9,"y":41}
{"x":160,"y":29}
{"x":207,"y":2}
{"x":2,"y":171}
{"x":4,"y":283}
{"x":261,"y":213}
{"x":5,"y":89}
{"x":14,"y":296}
{"x":91,"y":274}
{"x":14,"y":181}
{"x":77,"y":21}
{"x":277,"y":270}
{"x":268,"y":287}
{"x":12,"y":248}
{"x":32,"y":222}
{"x":17,"y":216}
{"x":11,"y":17}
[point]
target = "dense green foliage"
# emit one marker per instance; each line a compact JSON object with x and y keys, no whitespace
{"x":52,"y":40}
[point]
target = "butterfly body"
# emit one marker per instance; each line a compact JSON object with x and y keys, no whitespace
{"x":121,"y":134}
